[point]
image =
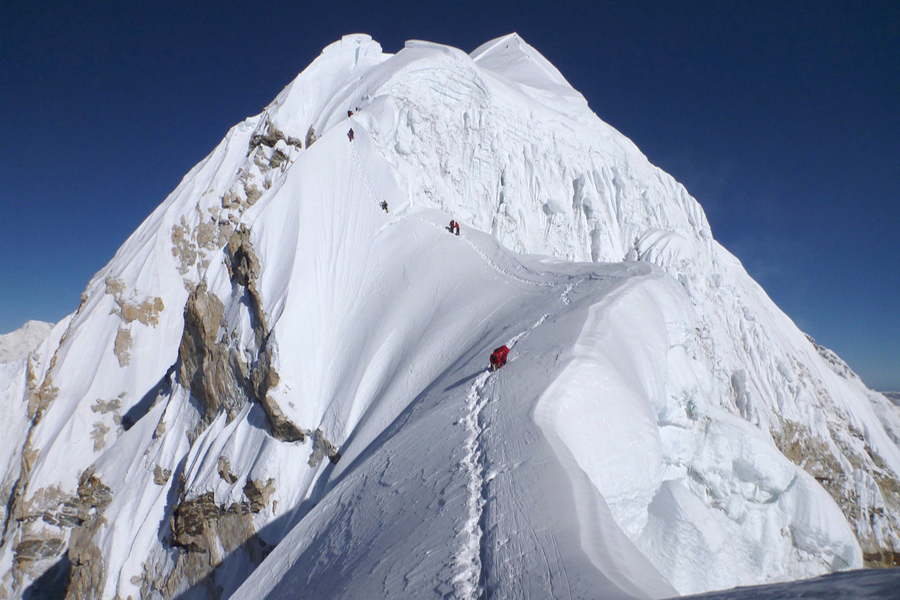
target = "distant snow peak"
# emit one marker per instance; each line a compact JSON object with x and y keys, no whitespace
{"x":19,"y":343}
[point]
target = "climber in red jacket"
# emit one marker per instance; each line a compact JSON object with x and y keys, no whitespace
{"x":498,"y":357}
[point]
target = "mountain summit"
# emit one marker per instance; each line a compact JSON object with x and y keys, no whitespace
{"x":279,"y":385}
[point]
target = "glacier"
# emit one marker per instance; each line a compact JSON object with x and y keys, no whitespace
{"x":277,"y":387}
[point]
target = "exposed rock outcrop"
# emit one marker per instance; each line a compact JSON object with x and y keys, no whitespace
{"x":160,"y":475}
{"x":857,"y":480}
{"x":223,"y":466}
{"x":88,"y":567}
{"x":270,"y":136}
{"x":20,"y":523}
{"x":243,"y":265}
{"x":258,"y":494}
{"x":122,"y":346}
{"x":244,"y":268}
{"x":212,"y":366}
{"x":199,"y":244}
{"x":322,"y":447}
{"x":209,"y":367}
{"x":37,"y":549}
{"x":145,"y":311}
{"x":311,"y":136}
{"x":206,"y":532}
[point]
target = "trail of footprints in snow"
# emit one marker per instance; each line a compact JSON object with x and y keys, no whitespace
{"x":467,"y":563}
{"x":365,"y":177}
{"x":512,"y":342}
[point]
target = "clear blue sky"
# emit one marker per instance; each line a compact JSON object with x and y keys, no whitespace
{"x":780,"y":118}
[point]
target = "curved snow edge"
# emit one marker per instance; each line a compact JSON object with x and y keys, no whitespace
{"x":602,"y":539}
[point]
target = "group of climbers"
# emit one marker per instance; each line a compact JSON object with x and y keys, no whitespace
{"x":350,"y":136}
{"x":350,"y":133}
{"x":499,"y":355}
{"x":350,"y":113}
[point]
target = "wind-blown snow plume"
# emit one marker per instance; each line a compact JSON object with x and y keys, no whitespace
{"x":660,"y":427}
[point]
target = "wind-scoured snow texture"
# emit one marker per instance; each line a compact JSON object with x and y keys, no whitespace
{"x":661,"y":427}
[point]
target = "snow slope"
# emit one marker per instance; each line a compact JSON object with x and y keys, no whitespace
{"x":277,"y":386}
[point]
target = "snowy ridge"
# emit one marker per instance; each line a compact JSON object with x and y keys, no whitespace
{"x":276,"y":386}
{"x":468,"y":581}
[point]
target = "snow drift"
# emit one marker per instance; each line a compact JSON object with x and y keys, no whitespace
{"x":277,"y":386}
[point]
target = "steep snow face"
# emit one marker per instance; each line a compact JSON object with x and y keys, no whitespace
{"x":276,"y":384}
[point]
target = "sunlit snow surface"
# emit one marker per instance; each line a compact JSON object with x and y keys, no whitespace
{"x":18,"y":344}
{"x":625,"y":451}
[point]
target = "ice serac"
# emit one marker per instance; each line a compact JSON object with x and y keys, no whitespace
{"x":278,"y":387}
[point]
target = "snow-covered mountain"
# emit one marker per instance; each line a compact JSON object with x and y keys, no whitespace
{"x":19,"y":343}
{"x":277,"y":388}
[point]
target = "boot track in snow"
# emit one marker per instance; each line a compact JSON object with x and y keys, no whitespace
{"x":469,"y":576}
{"x":467,"y":563}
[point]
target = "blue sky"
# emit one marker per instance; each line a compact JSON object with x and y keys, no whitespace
{"x":780,"y":118}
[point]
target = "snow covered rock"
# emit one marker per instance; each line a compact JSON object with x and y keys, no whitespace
{"x":661,"y":427}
